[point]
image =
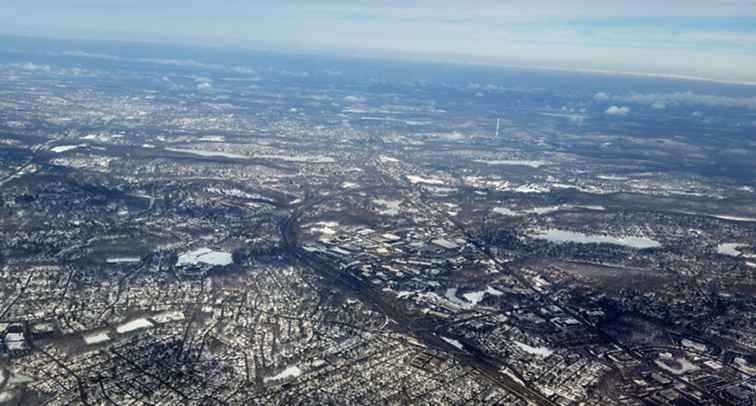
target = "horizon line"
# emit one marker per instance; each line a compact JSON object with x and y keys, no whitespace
{"x":333,"y":52}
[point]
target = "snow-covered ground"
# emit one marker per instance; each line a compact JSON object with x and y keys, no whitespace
{"x":311,"y":159}
{"x":290,"y":372}
{"x":63,"y":148}
{"x":474,"y":297}
{"x":694,"y":345}
{"x":205,"y":256}
{"x":134,"y":325}
{"x":325,"y":227}
{"x":735,"y":218}
{"x":123,"y":260}
{"x":540,"y":351}
{"x":730,"y":248}
{"x":506,"y":212}
{"x":451,"y":296}
{"x":176,"y":315}
{"x":207,"y":153}
{"x":544,"y":210}
{"x":677,"y":366}
{"x":453,"y":342}
{"x":471,"y":299}
{"x":390,"y":207}
{"x":96,"y":338}
{"x":428,"y":181}
{"x":386,"y":159}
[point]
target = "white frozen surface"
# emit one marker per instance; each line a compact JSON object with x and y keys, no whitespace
{"x":730,"y":248}
{"x":207,"y":153}
{"x":540,"y":351}
{"x":96,"y":338}
{"x":205,"y":256}
{"x":133,"y":325}
{"x":428,"y":181}
{"x":290,"y":372}
{"x":453,"y":342}
{"x":63,"y":148}
{"x":506,"y":212}
{"x":123,"y":260}
{"x":562,"y":236}
{"x":514,"y":162}
{"x":680,"y":365}
{"x":390,"y":207}
{"x":176,"y":315}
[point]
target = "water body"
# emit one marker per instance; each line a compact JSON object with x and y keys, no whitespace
{"x":563,"y":236}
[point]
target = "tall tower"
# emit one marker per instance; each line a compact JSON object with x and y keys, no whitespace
{"x":498,"y":125}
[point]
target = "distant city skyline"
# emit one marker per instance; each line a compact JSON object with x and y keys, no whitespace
{"x":671,"y":38}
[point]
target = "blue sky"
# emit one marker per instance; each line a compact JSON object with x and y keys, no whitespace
{"x":713,"y":39}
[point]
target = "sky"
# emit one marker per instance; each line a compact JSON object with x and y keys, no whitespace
{"x":711,"y":39}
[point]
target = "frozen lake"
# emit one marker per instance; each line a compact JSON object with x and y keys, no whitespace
{"x":207,"y":153}
{"x":205,"y":256}
{"x":562,"y":236}
{"x":515,"y":162}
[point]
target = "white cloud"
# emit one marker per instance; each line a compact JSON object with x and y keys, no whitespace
{"x":656,"y":100}
{"x":549,"y":33}
{"x":33,"y":67}
{"x":205,"y":86}
{"x":662,"y":101}
{"x":659,"y":105}
{"x":618,"y":111}
{"x":354,"y":99}
{"x":601,"y":96}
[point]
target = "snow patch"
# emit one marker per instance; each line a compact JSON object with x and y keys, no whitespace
{"x":96,"y":338}
{"x":205,"y":256}
{"x":134,"y":325}
{"x":63,"y":148}
{"x":561,"y":236}
{"x":539,"y":351}
{"x":514,"y":162}
{"x":290,"y":372}
{"x":419,"y":179}
{"x":453,"y":342}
